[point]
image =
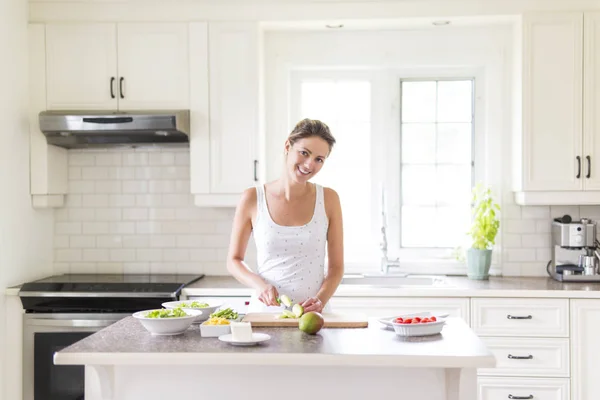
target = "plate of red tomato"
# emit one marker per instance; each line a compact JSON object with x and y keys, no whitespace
{"x":417,"y":324}
{"x":389,"y":321}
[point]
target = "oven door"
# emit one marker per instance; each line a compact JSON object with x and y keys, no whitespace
{"x":45,"y":334}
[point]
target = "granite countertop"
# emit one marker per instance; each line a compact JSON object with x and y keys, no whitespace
{"x":455,"y":286}
{"x":128,"y":343}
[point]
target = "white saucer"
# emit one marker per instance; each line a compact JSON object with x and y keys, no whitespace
{"x":256,"y":338}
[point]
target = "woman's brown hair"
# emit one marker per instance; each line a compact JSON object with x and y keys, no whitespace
{"x":309,"y":128}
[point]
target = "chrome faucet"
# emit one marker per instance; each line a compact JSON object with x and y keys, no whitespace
{"x":386,"y":263}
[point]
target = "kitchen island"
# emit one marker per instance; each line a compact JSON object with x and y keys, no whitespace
{"x":124,"y":361}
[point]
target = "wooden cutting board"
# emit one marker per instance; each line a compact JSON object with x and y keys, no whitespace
{"x":332,"y":320}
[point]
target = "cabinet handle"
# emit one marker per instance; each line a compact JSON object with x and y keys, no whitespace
{"x":510,"y":396}
{"x":529,"y":357}
{"x":255,"y":170}
{"x":112,"y":87}
{"x":518,"y":317}
{"x":589,"y":160}
{"x":121,"y":87}
{"x":578,"y":167}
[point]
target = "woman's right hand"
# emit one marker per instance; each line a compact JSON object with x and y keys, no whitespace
{"x":268,"y":296}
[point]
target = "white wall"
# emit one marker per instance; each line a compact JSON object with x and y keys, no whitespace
{"x":131,"y":211}
{"x":25,"y":234}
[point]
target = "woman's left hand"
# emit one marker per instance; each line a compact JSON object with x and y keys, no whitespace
{"x":312,"y":304}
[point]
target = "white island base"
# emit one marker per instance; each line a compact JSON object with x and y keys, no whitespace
{"x":285,"y":383}
{"x":125,"y":362}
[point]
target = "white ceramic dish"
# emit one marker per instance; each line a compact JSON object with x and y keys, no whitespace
{"x":214,"y":330}
{"x":420,"y":329}
{"x":206,"y":311}
{"x":166,"y":326}
{"x":256,"y":339}
{"x":387,"y":321}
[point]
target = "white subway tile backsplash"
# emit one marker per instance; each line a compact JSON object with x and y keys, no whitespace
{"x":511,"y":240}
{"x":109,"y":241}
{"x":94,"y":200}
{"x":133,"y":159}
{"x":536,"y":240}
{"x":135,"y":187}
{"x":122,"y":228}
{"x":136,"y":268}
{"x":96,"y":228}
{"x":135,"y":214}
{"x":74,"y":173}
{"x":161,"y":159}
{"x":517,"y":255}
{"x":67,"y":255}
{"x":176,"y":255}
{"x":82,"y":187}
{"x":149,"y":255}
{"x":61,"y":242}
{"x":94,"y":173}
{"x":538,"y":212}
{"x":163,"y":241}
{"x":109,"y":214}
{"x":136,"y":241}
{"x":107,"y":187}
{"x":95,"y":255}
{"x":121,"y":200}
{"x":82,"y":242}
{"x":108,"y":159}
{"x":123,"y":255}
{"x":65,"y":228}
{"x":182,"y":159}
{"x":121,"y":173}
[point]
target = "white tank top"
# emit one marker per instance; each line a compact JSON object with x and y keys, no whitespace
{"x":291,"y":258}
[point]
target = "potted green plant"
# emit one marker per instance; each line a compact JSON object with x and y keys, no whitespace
{"x":484,"y":229}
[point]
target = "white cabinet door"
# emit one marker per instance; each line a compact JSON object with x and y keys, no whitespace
{"x":591,"y":101}
{"x":391,"y":306}
{"x":234,"y":97}
{"x":552,"y":101}
{"x":523,"y":388}
{"x":81,"y":66}
{"x":585,"y":349}
{"x":153,"y":66}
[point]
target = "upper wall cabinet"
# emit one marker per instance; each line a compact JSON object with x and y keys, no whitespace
{"x":224,"y":158}
{"x":557,"y":146}
{"x":124,"y":66}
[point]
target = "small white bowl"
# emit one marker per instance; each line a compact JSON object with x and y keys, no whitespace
{"x":420,"y":329}
{"x":206,"y":311}
{"x":166,"y":326}
{"x":214,"y":330}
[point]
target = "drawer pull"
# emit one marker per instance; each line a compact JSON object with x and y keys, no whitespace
{"x":529,"y":357}
{"x":510,"y":396}
{"x":519,"y":316}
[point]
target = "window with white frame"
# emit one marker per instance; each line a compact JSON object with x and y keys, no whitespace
{"x":345,"y":106}
{"x":436,"y":128}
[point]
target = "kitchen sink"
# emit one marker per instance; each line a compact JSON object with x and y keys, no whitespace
{"x":394,"y":280}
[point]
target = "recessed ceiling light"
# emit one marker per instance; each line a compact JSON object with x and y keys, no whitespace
{"x":334,"y":26}
{"x":441,"y":23}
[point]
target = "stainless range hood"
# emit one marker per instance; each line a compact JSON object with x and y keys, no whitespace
{"x":81,"y":129}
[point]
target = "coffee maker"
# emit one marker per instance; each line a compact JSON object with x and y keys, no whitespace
{"x":575,"y":256}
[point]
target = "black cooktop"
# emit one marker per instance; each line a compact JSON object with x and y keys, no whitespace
{"x":99,"y":283}
{"x":102,"y":292}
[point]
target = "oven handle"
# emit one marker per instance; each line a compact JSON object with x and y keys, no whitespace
{"x":74,"y":323}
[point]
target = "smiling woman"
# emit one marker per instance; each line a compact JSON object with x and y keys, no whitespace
{"x":293,"y":222}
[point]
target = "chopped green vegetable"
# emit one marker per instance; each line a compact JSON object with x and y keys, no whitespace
{"x":193,"y":304}
{"x":164,"y":313}
{"x":226,"y":313}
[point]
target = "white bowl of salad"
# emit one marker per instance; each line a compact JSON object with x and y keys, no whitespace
{"x":167,"y":321}
{"x":206,"y":308}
